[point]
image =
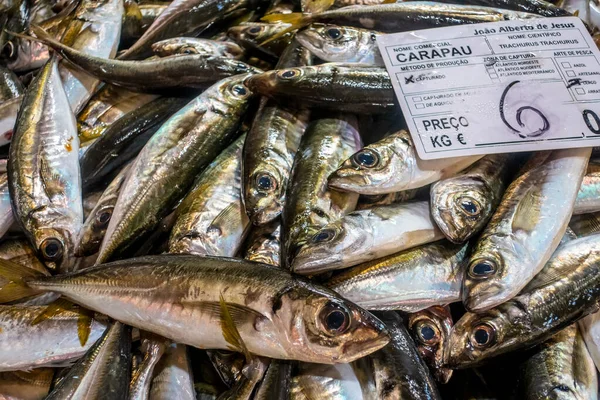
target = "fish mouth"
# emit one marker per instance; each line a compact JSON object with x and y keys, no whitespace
{"x":482,"y":298}
{"x":347,"y":179}
{"x":307,"y":262}
{"x":354,"y":350}
{"x":263,"y":83}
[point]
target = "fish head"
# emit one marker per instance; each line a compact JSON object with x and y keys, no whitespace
{"x":264,"y":190}
{"x":56,"y":248}
{"x":21,"y":55}
{"x":476,"y":337}
{"x":326,"y":248}
{"x":430,"y":329}
{"x":462,"y":206}
{"x":497,"y":271}
{"x":253,"y":32}
{"x":93,"y":231}
{"x":328,"y":329}
{"x":179,"y":45}
{"x":329,"y":42}
{"x":376,"y":167}
{"x":281,"y":80}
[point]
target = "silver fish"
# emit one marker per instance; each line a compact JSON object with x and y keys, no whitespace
{"x":366,"y":235}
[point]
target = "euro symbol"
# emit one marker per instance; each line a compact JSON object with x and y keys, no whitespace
{"x":461,"y":138}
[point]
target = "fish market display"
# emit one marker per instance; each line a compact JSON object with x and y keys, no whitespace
{"x":223,"y":199}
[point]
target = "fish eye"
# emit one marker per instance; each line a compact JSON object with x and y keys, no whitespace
{"x":335,"y":318}
{"x":333,"y":33}
{"x":481,"y":269}
{"x":289,"y":73}
{"x":366,"y":158}
{"x":52,"y":249}
{"x":427,"y":333}
{"x":483,"y":335}
{"x":103,"y":218}
{"x":324,"y":235}
{"x":469,"y":206}
{"x":189,"y":50}
{"x":239,"y":90}
{"x":373,"y":37}
{"x":254,"y":31}
{"x":265,"y":182}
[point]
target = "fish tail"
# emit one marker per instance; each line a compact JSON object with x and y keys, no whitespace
{"x":13,"y":281}
{"x":295,"y":20}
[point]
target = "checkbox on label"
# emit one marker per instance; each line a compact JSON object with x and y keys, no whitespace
{"x":566,"y":65}
{"x":419,"y":106}
{"x":571,"y":74}
{"x":493,"y":76}
{"x":579,"y":91}
{"x":417,"y":99}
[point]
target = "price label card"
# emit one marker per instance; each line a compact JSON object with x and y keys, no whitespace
{"x":497,"y":87}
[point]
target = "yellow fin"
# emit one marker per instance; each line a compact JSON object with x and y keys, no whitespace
{"x":52,"y":309}
{"x":528,"y":211}
{"x":295,"y":20}
{"x":316,"y":6}
{"x":12,"y":281}
{"x":230,"y":332}
{"x":84,"y":325}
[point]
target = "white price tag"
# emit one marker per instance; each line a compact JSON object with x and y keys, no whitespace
{"x":497,"y":87}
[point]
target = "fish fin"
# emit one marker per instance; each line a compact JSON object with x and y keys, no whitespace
{"x":230,"y":331}
{"x":296,"y":20}
{"x":240,"y":314}
{"x":576,"y":13}
{"x":52,"y":309}
{"x":527,"y":212}
{"x":15,"y":286}
{"x":231,"y":214}
{"x":316,"y":6}
{"x":51,"y":180}
{"x":84,"y":325}
{"x":389,"y":1}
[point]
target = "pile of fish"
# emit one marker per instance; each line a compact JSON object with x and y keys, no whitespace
{"x":218,"y":199}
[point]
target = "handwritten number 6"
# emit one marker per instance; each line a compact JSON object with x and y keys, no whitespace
{"x":540,"y":131}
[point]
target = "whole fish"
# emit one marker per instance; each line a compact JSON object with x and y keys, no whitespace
{"x":53,"y":342}
{"x":278,"y":315}
{"x":26,"y":385}
{"x":94,"y":227}
{"x":410,"y":281}
{"x":590,"y":330}
{"x":310,"y":204}
{"x":124,"y":139}
{"x":401,"y":17}
{"x":585,"y":224}
{"x":10,"y":85}
{"x":277,"y":381}
{"x":173,"y":377}
{"x":430,"y":329}
{"x":211,"y":219}
{"x":169,"y":72}
{"x":191,"y":138}
{"x":103,"y":372}
{"x":264,"y":245}
{"x":366,"y":235}
{"x":349,"y":87}
{"x":327,"y":382}
{"x":183,"y":17}
{"x":392,"y":165}
{"x":153,"y":347}
{"x":259,"y":37}
{"x":588,"y":197}
{"x":462,"y":205}
{"x":343,"y":44}
{"x":6,"y":213}
{"x":561,"y":368}
{"x":108,"y":105}
{"x":565,"y":291}
{"x":186,"y":45}
{"x":400,"y":373}
{"x":94,"y":30}
{"x":268,"y":158}
{"x":525,"y":229}
{"x":43,"y":170}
